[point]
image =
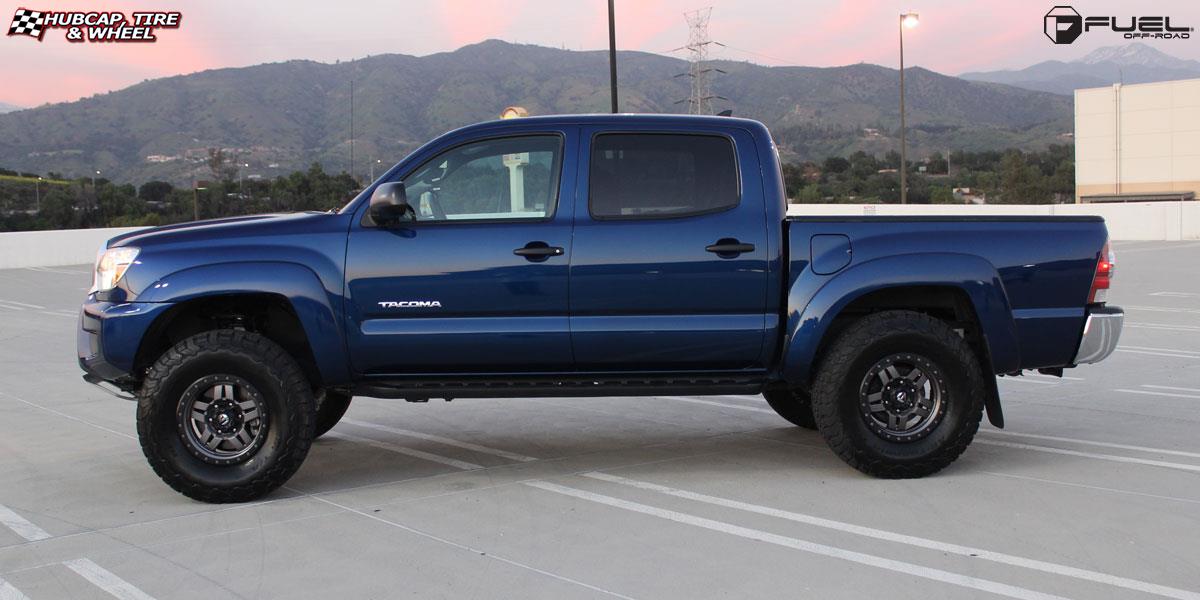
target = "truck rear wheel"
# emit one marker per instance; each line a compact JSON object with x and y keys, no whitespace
{"x":898,"y":394}
{"x":225,"y":416}
{"x":331,"y":407}
{"x":792,"y":404}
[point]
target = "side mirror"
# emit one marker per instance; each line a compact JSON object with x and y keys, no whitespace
{"x":389,"y":205}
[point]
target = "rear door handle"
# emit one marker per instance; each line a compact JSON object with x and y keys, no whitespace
{"x":729,"y":247}
{"x":538,"y":251}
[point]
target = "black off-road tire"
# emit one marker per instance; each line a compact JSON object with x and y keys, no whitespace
{"x":793,"y":404}
{"x":843,"y":370}
{"x":285,"y":394}
{"x":331,"y":407}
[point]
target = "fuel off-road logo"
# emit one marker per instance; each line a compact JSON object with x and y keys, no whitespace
{"x":94,"y":26}
{"x":1064,"y":25}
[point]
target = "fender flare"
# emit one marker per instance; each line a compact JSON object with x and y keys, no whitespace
{"x":299,"y":285}
{"x":809,"y":314}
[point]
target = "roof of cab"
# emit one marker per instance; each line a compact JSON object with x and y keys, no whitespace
{"x":667,"y":120}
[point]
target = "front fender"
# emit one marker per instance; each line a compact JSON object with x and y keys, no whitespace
{"x":299,"y":284}
{"x":813,"y":303}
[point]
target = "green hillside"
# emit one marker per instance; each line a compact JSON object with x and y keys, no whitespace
{"x":282,"y":117}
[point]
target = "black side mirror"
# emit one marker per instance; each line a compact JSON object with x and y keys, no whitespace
{"x":389,"y":205}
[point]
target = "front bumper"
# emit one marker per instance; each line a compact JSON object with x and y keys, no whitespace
{"x":109,"y":336}
{"x":1100,"y":334}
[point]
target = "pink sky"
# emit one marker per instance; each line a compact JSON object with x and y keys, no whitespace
{"x":954,"y":35}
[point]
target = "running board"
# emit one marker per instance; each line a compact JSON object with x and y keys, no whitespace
{"x":558,"y":386}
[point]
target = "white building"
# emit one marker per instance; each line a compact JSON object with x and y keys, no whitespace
{"x":1138,"y":142}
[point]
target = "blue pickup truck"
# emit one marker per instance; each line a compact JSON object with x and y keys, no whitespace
{"x":584,"y":256}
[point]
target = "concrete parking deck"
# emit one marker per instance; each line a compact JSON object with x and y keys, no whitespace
{"x":1093,"y":490}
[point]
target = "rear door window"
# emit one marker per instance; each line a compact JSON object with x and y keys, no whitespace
{"x":656,"y":176}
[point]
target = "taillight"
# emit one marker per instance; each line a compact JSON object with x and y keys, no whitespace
{"x":1104,"y":275}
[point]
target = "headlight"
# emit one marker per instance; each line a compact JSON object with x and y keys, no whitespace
{"x":111,"y":266}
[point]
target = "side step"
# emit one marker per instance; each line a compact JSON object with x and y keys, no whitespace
{"x":557,"y":386}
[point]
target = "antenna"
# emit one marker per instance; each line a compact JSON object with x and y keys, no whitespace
{"x":700,"y":100}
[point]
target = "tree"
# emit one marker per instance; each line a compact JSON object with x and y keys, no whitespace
{"x":835,"y":164}
{"x":1020,"y":183}
{"x":154,"y":191}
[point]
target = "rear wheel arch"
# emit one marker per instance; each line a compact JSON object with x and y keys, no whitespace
{"x":946,"y":285}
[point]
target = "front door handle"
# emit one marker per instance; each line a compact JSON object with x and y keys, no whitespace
{"x":729,"y":247}
{"x":538,"y":251}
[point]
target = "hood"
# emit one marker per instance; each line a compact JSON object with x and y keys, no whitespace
{"x":252,"y":225}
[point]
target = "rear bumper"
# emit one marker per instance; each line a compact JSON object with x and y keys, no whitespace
{"x":1100,"y":334}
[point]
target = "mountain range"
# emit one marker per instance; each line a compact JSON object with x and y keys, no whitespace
{"x":1132,"y":63}
{"x":280,"y":117}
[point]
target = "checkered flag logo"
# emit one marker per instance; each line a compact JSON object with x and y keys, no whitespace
{"x":28,"y":22}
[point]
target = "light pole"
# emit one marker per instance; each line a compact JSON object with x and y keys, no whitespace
{"x":908,"y":20}
{"x":37,"y":195}
{"x":196,"y":202}
{"x":612,"y":53}
{"x":373,"y":163}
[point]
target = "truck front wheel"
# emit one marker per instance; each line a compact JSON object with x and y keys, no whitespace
{"x":898,"y":394}
{"x":225,"y":416}
{"x":792,"y":404}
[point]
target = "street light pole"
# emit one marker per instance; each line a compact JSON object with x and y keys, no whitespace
{"x":908,"y":19}
{"x":196,"y":202}
{"x":37,"y":194}
{"x":612,"y":54}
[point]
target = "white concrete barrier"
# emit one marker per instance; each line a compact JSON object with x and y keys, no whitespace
{"x":1165,"y":221}
{"x":54,"y":248}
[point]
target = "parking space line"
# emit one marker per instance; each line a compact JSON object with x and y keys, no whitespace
{"x":443,"y":440}
{"x":1190,"y":311}
{"x":1109,"y":457}
{"x":429,"y":456}
{"x":720,"y":404}
{"x":1098,"y":488}
{"x":1171,"y":387}
{"x":475,"y":551}
{"x":66,"y":416}
{"x":106,"y":580}
{"x":21,"y":526}
{"x":1153,"y":393}
{"x":57,"y":314}
{"x":22,"y":304}
{"x":1176,"y":294}
{"x":1172,"y":355}
{"x":8,"y":592}
{"x":1174,"y":350}
{"x":1163,"y":326}
{"x":1054,"y":438}
{"x":889,"y":536}
{"x":897,"y":566}
{"x":1021,"y":379}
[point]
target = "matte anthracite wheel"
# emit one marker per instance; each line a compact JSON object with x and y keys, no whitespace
{"x":898,"y":394}
{"x":331,"y":406}
{"x":225,"y":416}
{"x":793,"y":405}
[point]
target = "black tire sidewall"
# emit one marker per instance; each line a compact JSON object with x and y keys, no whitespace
{"x":848,"y":359}
{"x":263,"y":365}
{"x":953,"y":378}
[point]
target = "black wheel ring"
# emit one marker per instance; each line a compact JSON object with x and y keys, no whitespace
{"x":903,"y":397}
{"x":222,"y":419}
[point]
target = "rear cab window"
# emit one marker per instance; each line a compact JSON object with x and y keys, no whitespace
{"x":661,"y":176}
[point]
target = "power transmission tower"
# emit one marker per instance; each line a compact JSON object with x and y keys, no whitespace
{"x":700,"y":100}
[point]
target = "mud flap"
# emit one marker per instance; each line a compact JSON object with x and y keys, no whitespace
{"x":992,"y":403}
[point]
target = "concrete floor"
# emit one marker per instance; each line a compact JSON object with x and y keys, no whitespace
{"x":1093,"y":491}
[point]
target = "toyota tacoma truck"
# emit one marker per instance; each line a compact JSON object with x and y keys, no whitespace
{"x":584,"y":256}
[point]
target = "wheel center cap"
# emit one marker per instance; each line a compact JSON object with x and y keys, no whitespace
{"x":223,"y":420}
